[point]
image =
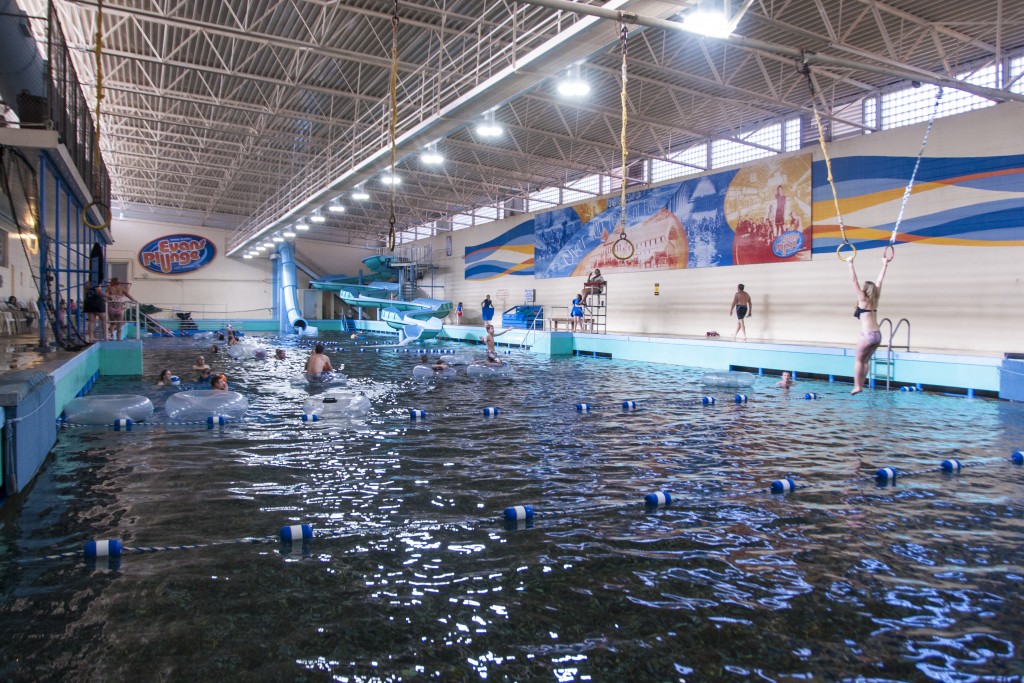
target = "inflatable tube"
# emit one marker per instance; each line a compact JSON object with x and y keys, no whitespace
{"x":338,"y":404}
{"x":481,"y":370}
{"x":324,"y":379}
{"x":203,"y":335}
{"x":198,"y":405}
{"x":247,"y":350}
{"x":428,"y":372}
{"x":104,"y":410}
{"x":727,"y":380}
{"x":460,"y":359}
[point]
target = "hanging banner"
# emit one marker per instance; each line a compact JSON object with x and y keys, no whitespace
{"x":177,"y":254}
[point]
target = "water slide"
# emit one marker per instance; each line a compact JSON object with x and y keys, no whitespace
{"x":290,"y":317}
{"x":416,"y":320}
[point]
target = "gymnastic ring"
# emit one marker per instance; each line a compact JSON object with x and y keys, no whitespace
{"x":615,"y":248}
{"x":839,"y":252}
{"x":104,"y":212}
{"x":889,"y":253}
{"x":391,"y":239}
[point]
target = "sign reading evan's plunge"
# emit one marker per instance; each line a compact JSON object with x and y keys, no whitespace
{"x":175,"y":254}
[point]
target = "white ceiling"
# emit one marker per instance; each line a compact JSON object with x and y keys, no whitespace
{"x":250,"y":113}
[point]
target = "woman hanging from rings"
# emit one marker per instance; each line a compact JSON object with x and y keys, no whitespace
{"x":866,"y":312}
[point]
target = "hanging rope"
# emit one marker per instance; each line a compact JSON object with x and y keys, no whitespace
{"x":806,"y":70}
{"x":101,"y":208}
{"x":623,"y":249}
{"x":394,"y":122}
{"x":890,"y":249}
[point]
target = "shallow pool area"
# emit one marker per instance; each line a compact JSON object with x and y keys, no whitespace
{"x":413,"y":573}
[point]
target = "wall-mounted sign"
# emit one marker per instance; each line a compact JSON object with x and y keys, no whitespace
{"x":177,"y":254}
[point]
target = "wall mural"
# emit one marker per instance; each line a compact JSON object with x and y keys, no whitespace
{"x":757,"y":214}
{"x":961,"y":201}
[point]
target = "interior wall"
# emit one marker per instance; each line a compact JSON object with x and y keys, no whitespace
{"x":955,"y":297}
{"x":226,"y":287}
{"x":16,"y":274}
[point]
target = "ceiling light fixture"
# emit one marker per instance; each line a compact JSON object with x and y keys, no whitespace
{"x":391,"y":179}
{"x":431,"y":156}
{"x":268,"y":244}
{"x":317,"y":217}
{"x":489,"y":128}
{"x":301,"y":226}
{"x":573,"y":84}
{"x":288,"y":234}
{"x":277,"y":238}
{"x":359,"y":193}
{"x":336,"y":207}
{"x":705,"y":21}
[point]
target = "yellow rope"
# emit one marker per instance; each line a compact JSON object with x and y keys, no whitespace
{"x":101,"y":207}
{"x":828,"y":167}
{"x":394,"y":122}
{"x":626,"y":250}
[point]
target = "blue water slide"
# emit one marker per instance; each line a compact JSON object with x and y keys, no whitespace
{"x":290,"y":319}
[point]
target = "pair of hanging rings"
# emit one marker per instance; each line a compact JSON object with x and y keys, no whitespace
{"x":888,"y":254}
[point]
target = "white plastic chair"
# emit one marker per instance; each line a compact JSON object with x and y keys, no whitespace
{"x":7,"y":323}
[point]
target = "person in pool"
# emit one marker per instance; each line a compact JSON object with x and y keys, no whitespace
{"x":200,"y":363}
{"x":204,"y":375}
{"x":786,"y":381}
{"x":166,"y":379}
{"x":279,"y":354}
{"x":219,"y":382}
{"x":318,"y":363}
{"x":870,"y":334}
{"x":437,"y":366}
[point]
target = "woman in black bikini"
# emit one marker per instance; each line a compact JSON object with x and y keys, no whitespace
{"x":870,"y":335}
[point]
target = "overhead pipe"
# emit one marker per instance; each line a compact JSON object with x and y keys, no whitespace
{"x":801,"y":56}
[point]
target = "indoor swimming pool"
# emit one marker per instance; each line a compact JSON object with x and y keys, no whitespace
{"x":413,"y":574}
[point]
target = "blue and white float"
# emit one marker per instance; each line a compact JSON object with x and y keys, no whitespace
{"x":246,"y":349}
{"x":202,"y":404}
{"x":488,"y":370}
{"x":727,"y":380}
{"x":335,"y":404}
{"x":107,"y":410}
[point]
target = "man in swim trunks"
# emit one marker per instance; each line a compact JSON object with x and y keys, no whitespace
{"x":318,"y":362}
{"x":744,"y":308}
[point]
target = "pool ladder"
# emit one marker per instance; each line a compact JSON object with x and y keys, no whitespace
{"x":883,"y":368}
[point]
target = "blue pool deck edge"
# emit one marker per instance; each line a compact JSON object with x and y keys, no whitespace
{"x":955,"y":372}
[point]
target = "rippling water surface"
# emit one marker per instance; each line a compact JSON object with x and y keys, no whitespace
{"x":412,"y":576}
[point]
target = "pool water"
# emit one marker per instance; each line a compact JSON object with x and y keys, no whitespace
{"x":412,"y":575}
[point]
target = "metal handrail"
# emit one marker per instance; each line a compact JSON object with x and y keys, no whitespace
{"x":532,"y":328}
{"x":889,"y":356}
